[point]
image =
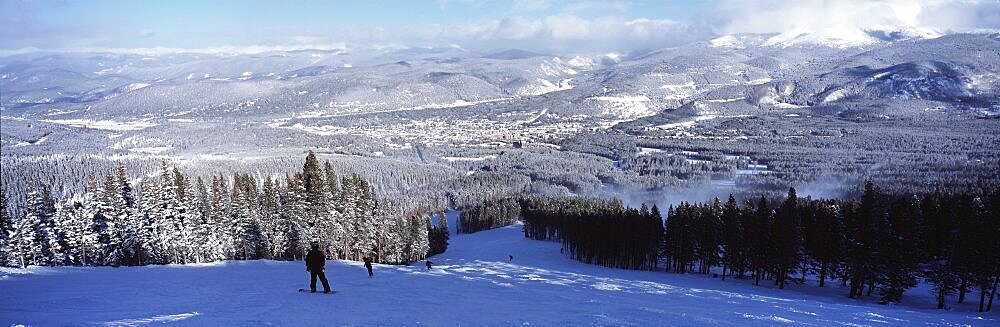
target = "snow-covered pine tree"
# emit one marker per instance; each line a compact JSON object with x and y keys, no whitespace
{"x":205,"y":227}
{"x":417,"y":238}
{"x":268,"y":206}
{"x":253,"y":199}
{"x":77,"y":227}
{"x":121,"y":240}
{"x":395,"y":250}
{"x":149,"y":213}
{"x":364,"y":220}
{"x":56,"y":235}
{"x":168,"y":217}
{"x":384,"y":233}
{"x":331,"y":181}
{"x":295,"y":213}
{"x":191,"y":237}
{"x":347,"y":203}
{"x":431,"y":235}
{"x":66,"y":221}
{"x":245,"y":230}
{"x":126,"y":186}
{"x":219,"y":242}
{"x":6,"y":227}
{"x":318,"y":219}
{"x":26,"y":244}
{"x":438,"y":235}
{"x":94,"y":226}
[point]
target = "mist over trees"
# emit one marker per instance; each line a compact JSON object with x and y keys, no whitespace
{"x":174,"y":218}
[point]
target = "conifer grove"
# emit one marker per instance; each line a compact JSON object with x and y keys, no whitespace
{"x":172,"y":218}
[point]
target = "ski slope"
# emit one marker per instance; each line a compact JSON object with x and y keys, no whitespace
{"x":471,"y":284}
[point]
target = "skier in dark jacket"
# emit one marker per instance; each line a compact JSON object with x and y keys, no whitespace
{"x":368,"y":264}
{"x":315,"y":263}
{"x":429,"y":263}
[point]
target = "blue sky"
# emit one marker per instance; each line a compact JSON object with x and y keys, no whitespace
{"x":475,"y":24}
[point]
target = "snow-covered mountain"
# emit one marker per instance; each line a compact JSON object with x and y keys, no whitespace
{"x":314,"y":91}
{"x":836,"y":36}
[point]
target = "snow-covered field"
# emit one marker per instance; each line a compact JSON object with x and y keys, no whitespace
{"x":471,"y":284}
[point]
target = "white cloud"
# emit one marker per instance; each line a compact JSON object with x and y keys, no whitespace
{"x":155,"y":51}
{"x":530,"y":5}
{"x":601,"y":6}
{"x":557,"y":33}
{"x":539,"y":25}
{"x":780,"y":16}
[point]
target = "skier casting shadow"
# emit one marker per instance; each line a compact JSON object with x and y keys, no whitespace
{"x":315,"y":263}
{"x":368,"y":264}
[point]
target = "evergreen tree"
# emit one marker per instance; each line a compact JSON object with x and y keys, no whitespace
{"x":6,"y":227}
{"x":122,"y":242}
{"x":96,"y":234}
{"x":732,"y":238}
{"x":331,"y":180}
{"x":27,"y":241}
{"x":56,"y":235}
{"x":759,"y":234}
{"x":785,"y":239}
{"x":191,"y":219}
{"x":992,"y":249}
{"x":863,"y":228}
{"x":899,"y":255}
{"x":126,"y":187}
{"x":824,"y":238}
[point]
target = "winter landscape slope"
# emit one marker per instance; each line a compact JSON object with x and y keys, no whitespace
{"x":471,"y":284}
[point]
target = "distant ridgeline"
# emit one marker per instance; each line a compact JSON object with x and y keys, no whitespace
{"x":172,"y":219}
{"x":875,"y":243}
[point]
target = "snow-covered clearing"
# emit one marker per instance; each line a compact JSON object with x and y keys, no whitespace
{"x":108,"y":125}
{"x":135,"y":86}
{"x":625,"y":106}
{"x":648,"y":151}
{"x":544,"y":86}
{"x":483,"y":158}
{"x":471,"y":284}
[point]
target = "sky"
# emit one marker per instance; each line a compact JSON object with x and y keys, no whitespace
{"x":478,"y":25}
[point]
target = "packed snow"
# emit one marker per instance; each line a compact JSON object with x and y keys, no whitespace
{"x":471,"y":284}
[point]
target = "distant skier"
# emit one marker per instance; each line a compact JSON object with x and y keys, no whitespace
{"x":429,"y":263}
{"x":510,"y":258}
{"x":368,"y":264}
{"x":315,"y":263}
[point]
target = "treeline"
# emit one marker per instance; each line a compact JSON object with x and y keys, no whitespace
{"x":174,"y":219}
{"x":874,"y":244}
{"x":489,"y":214}
{"x":602,"y":232}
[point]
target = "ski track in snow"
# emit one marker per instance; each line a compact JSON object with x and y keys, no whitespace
{"x":471,"y":284}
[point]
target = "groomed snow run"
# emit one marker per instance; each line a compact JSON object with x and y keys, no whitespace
{"x":472,"y":284}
